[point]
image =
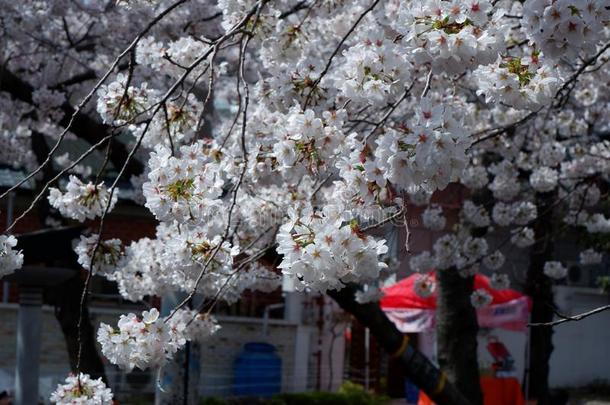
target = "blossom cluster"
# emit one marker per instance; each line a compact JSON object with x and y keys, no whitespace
{"x":544,"y":179}
{"x":139,"y":342}
{"x":475,"y":214}
{"x":82,"y":201}
{"x":15,"y":143}
{"x":107,"y":254}
{"x":494,"y":261}
{"x":453,"y":36}
{"x":431,"y":152}
{"x":594,"y":223}
{"x":259,"y":278}
{"x":118,"y":105}
{"x":433,"y":218}
{"x":185,"y":188}
{"x":555,"y":270}
{"x":480,"y":298}
{"x":523,"y":237}
{"x":519,"y":212}
{"x":500,"y":281}
{"x":10,"y":259}
{"x":370,"y":293}
{"x":82,"y":389}
{"x":170,"y":57}
{"x":191,"y":252}
{"x":175,"y":124}
{"x":374,"y":69}
{"x":138,"y":274}
{"x":590,"y":256}
{"x":308,"y":141}
{"x":464,"y":253}
{"x":565,"y":28}
{"x":503,"y":186}
{"x":421,"y":262}
{"x":320,"y":252}
{"x":424,"y":286}
{"x":49,"y":102}
{"x":150,"y":341}
{"x":196,"y":327}
{"x":523,"y":83}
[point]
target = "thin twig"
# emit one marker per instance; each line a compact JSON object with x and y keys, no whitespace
{"x":574,"y":318}
{"x":389,"y":112}
{"x":399,"y":214}
{"x":571,"y":82}
{"x":424,"y":93}
{"x":336,"y":51}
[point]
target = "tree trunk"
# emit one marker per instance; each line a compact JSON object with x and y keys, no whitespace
{"x":456,"y":321}
{"x":457,"y":328}
{"x":67,"y":308}
{"x":540,"y":288}
{"x":417,"y":367}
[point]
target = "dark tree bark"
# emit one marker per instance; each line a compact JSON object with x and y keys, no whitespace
{"x":67,"y":308}
{"x":457,"y":325}
{"x":417,"y":367}
{"x":83,"y":126}
{"x":457,"y":328}
{"x":540,"y":288}
{"x":41,"y":151}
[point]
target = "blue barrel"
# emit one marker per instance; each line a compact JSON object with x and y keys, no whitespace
{"x":257,"y":371}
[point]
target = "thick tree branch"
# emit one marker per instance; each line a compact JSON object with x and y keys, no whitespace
{"x":417,"y":366}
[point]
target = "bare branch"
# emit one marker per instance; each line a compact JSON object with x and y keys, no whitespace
{"x":569,"y":84}
{"x":389,"y":112}
{"x":574,"y":318}
{"x":336,"y":51}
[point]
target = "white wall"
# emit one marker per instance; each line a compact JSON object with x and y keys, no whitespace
{"x":582,"y":349}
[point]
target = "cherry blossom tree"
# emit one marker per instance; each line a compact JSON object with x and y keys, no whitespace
{"x":300,"y":127}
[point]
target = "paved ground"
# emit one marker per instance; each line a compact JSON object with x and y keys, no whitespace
{"x":571,"y":402}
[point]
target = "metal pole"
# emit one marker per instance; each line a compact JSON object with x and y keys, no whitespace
{"x":187,"y":358}
{"x":293,"y":307}
{"x":178,"y":380}
{"x":29,"y":327}
{"x":367,"y":357}
{"x":10,"y":208}
{"x":266,"y":316}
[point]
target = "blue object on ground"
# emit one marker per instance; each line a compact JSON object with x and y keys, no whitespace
{"x":257,"y":371}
